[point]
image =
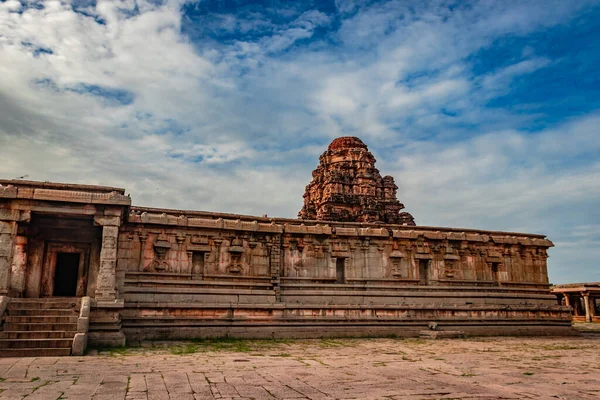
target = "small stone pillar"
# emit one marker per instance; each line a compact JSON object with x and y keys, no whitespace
{"x":8,"y":232}
{"x":588,"y":311}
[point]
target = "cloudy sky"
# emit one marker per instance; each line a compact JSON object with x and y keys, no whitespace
{"x":487,"y":113}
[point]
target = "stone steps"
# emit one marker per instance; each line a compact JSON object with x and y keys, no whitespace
{"x":35,"y":343}
{"x":25,"y":326}
{"x":54,"y":312}
{"x":37,"y":319}
{"x":37,"y":335}
{"x":19,"y":304}
{"x":36,"y":352}
{"x":39,"y":327}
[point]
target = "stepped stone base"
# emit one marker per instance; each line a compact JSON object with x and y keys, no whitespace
{"x":39,"y":327}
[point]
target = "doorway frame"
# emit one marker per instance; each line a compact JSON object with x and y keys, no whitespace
{"x":49,"y":266}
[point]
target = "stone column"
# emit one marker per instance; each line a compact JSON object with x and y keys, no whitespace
{"x":106,"y":288}
{"x":567,"y":301}
{"x":8,"y":232}
{"x":586,"y":302}
{"x":19,"y":266}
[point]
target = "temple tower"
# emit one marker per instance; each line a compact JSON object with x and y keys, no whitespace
{"x":347,"y":187}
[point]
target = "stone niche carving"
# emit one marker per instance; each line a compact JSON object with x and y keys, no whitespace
{"x":161,"y":248}
{"x":236,"y":251}
{"x":398,"y":270}
{"x":346,"y":186}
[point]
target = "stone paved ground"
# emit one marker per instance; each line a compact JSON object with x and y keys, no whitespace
{"x":477,"y":368}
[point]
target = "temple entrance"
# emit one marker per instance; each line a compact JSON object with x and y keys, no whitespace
{"x":65,"y":270}
{"x":66,"y":274}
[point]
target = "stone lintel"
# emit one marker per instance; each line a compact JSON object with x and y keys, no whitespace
{"x":199,"y":247}
{"x":340,"y":254}
{"x":107,"y":220}
{"x":49,"y":208}
{"x":9,"y":214}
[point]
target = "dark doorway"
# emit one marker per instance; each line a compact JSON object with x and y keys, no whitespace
{"x":65,"y":275}
{"x":340,"y":271}
{"x":495,"y":275}
{"x":423,"y":272}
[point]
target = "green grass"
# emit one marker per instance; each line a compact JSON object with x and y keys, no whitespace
{"x":528,"y":373}
{"x":184,"y":349}
{"x":42,"y":385}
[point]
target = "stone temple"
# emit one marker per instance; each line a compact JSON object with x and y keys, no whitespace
{"x":80,"y":264}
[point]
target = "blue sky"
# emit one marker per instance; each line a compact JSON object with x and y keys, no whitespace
{"x":485,"y":112}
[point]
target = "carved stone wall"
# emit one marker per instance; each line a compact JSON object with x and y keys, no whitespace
{"x":346,"y":186}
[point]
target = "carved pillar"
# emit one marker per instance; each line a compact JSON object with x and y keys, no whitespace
{"x":8,"y":231}
{"x":106,"y":289}
{"x":19,"y":265}
{"x":276,"y":265}
{"x":586,"y":303}
{"x":143,"y":237}
{"x":180,"y":250}
{"x":567,"y":300}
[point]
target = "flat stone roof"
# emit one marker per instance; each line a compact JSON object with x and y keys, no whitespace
{"x":61,"y":186}
{"x":251,"y":218}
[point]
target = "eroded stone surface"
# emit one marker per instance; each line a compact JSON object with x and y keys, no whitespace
{"x":498,"y":368}
{"x":347,"y":187}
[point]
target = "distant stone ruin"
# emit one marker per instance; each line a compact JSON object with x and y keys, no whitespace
{"x":346,"y":187}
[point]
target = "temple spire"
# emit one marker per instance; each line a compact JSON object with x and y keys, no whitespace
{"x":346,"y":186}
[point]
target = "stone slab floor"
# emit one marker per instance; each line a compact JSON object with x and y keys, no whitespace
{"x":476,"y":368}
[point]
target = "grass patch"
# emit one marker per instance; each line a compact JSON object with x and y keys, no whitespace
{"x":183,"y":350}
{"x":42,"y":385}
{"x":37,"y":378}
{"x":113,"y":351}
{"x":528,"y":373}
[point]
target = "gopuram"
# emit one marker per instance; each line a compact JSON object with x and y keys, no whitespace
{"x":79,"y":264}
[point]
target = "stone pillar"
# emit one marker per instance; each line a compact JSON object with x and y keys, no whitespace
{"x":105,"y":316}
{"x":567,"y":301}
{"x":106,"y":287}
{"x":19,"y":266}
{"x":8,"y":232}
{"x":588,"y":311}
{"x":275,"y":262}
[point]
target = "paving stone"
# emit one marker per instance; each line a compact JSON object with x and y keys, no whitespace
{"x":481,"y":368}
